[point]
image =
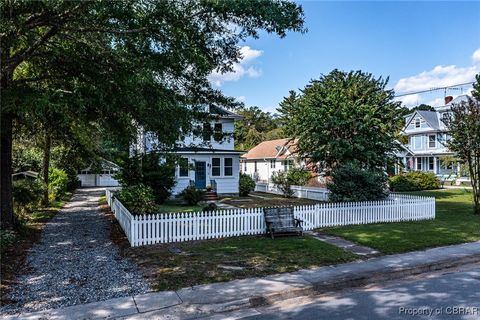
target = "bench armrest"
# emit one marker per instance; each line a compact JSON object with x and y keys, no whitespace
{"x":298,"y":222}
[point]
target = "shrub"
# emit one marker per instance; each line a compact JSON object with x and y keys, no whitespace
{"x":280,"y":179}
{"x":7,"y":237}
{"x":246,"y":185}
{"x":58,"y":182}
{"x":353,"y":183}
{"x":299,"y":176}
{"x":414,"y":181}
{"x":192,"y":195}
{"x":139,"y":199}
{"x":210,"y":207}
{"x":150,"y":170}
{"x":27,"y":194}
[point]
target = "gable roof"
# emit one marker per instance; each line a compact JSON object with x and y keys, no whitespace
{"x":431,"y":117}
{"x":273,"y":149}
{"x":224,"y":113}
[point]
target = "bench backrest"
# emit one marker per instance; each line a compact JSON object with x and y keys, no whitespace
{"x":280,"y":217}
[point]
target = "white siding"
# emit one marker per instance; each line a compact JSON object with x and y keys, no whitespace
{"x":264,"y":169}
{"x":225,"y":184}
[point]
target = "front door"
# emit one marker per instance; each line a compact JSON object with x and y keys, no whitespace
{"x":200,"y":175}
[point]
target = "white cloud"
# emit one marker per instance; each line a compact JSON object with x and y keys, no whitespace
{"x":410,"y":100}
{"x":240,"y":69}
{"x":476,"y":55}
{"x":440,"y":76}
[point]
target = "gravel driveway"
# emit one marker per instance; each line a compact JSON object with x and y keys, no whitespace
{"x":75,"y":262}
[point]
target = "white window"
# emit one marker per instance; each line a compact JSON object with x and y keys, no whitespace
{"x":417,"y":142}
{"x":432,"y":143}
{"x":272,"y":164}
{"x":418,"y":122}
{"x":228,"y":167}
{"x":245,"y":166}
{"x":217,"y":132}
{"x":216,"y":167}
{"x":430,"y":163}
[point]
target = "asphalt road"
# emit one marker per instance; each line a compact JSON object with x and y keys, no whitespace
{"x":450,"y":294}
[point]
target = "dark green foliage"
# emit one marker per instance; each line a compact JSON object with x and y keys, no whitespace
{"x":138,"y":199}
{"x":153,"y":170}
{"x":210,"y":207}
{"x":464,"y":128}
{"x":344,"y":117}
{"x":350,"y":182}
{"x":281,"y":180}
{"x":246,"y":185}
{"x":255,"y":127}
{"x":414,"y":181}
{"x":27,"y":194}
{"x":298,"y":176}
{"x":192,"y":195}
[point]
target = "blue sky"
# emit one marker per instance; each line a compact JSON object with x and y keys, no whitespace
{"x":419,"y":45}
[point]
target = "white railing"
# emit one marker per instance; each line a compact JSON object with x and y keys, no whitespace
{"x":314,"y":193}
{"x":186,"y":226}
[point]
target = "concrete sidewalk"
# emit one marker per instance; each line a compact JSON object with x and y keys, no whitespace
{"x":212,"y":299}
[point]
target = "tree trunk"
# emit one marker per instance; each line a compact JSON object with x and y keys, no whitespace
{"x":46,"y":166}
{"x":7,"y":216}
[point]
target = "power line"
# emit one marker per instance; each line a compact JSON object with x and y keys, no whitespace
{"x":452,"y":87}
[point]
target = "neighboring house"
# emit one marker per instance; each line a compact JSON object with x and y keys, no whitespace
{"x":209,"y":160}
{"x":270,"y":156}
{"x":99,"y":177}
{"x":427,"y":137}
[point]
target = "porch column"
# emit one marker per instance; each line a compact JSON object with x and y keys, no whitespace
{"x":435,"y":165}
{"x":415,"y":164}
{"x":405,"y":164}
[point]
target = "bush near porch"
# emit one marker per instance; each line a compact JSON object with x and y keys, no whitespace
{"x":454,"y":223}
{"x":414,"y":181}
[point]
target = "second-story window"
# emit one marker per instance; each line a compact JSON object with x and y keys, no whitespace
{"x":183,"y":167}
{"x":207,"y":131}
{"x":432,"y":141}
{"x":217,"y":132}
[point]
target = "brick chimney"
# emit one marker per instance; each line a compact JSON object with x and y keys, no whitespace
{"x":448,"y":99}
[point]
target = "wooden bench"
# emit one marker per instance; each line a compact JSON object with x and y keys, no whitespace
{"x":281,"y":221}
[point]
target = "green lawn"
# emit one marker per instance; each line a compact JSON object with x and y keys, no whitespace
{"x":261,"y":199}
{"x":199,"y":261}
{"x":454,"y":223}
{"x":175,"y":206}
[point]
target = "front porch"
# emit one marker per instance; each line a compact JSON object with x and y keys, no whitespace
{"x":428,"y":163}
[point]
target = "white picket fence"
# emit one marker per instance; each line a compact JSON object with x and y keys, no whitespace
{"x":314,"y":193}
{"x":187,"y":226}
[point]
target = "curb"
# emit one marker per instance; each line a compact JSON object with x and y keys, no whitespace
{"x":358,"y":280}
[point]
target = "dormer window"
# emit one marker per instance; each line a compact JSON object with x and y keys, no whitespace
{"x":418,"y":123}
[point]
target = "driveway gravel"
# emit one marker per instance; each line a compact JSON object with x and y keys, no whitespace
{"x":75,"y":262}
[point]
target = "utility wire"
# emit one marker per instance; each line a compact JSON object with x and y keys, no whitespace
{"x":434,"y":89}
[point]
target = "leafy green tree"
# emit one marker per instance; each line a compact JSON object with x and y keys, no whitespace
{"x":255,"y":127}
{"x":344,"y":117}
{"x":123,"y":64}
{"x":464,"y":128}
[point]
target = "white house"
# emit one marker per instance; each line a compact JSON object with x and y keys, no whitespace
{"x":427,"y":135}
{"x":210,"y":160}
{"x":268,"y":157}
{"x":103,"y":177}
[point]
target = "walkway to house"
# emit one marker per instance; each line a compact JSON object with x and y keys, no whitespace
{"x":345,"y":244}
{"x":75,"y":262}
